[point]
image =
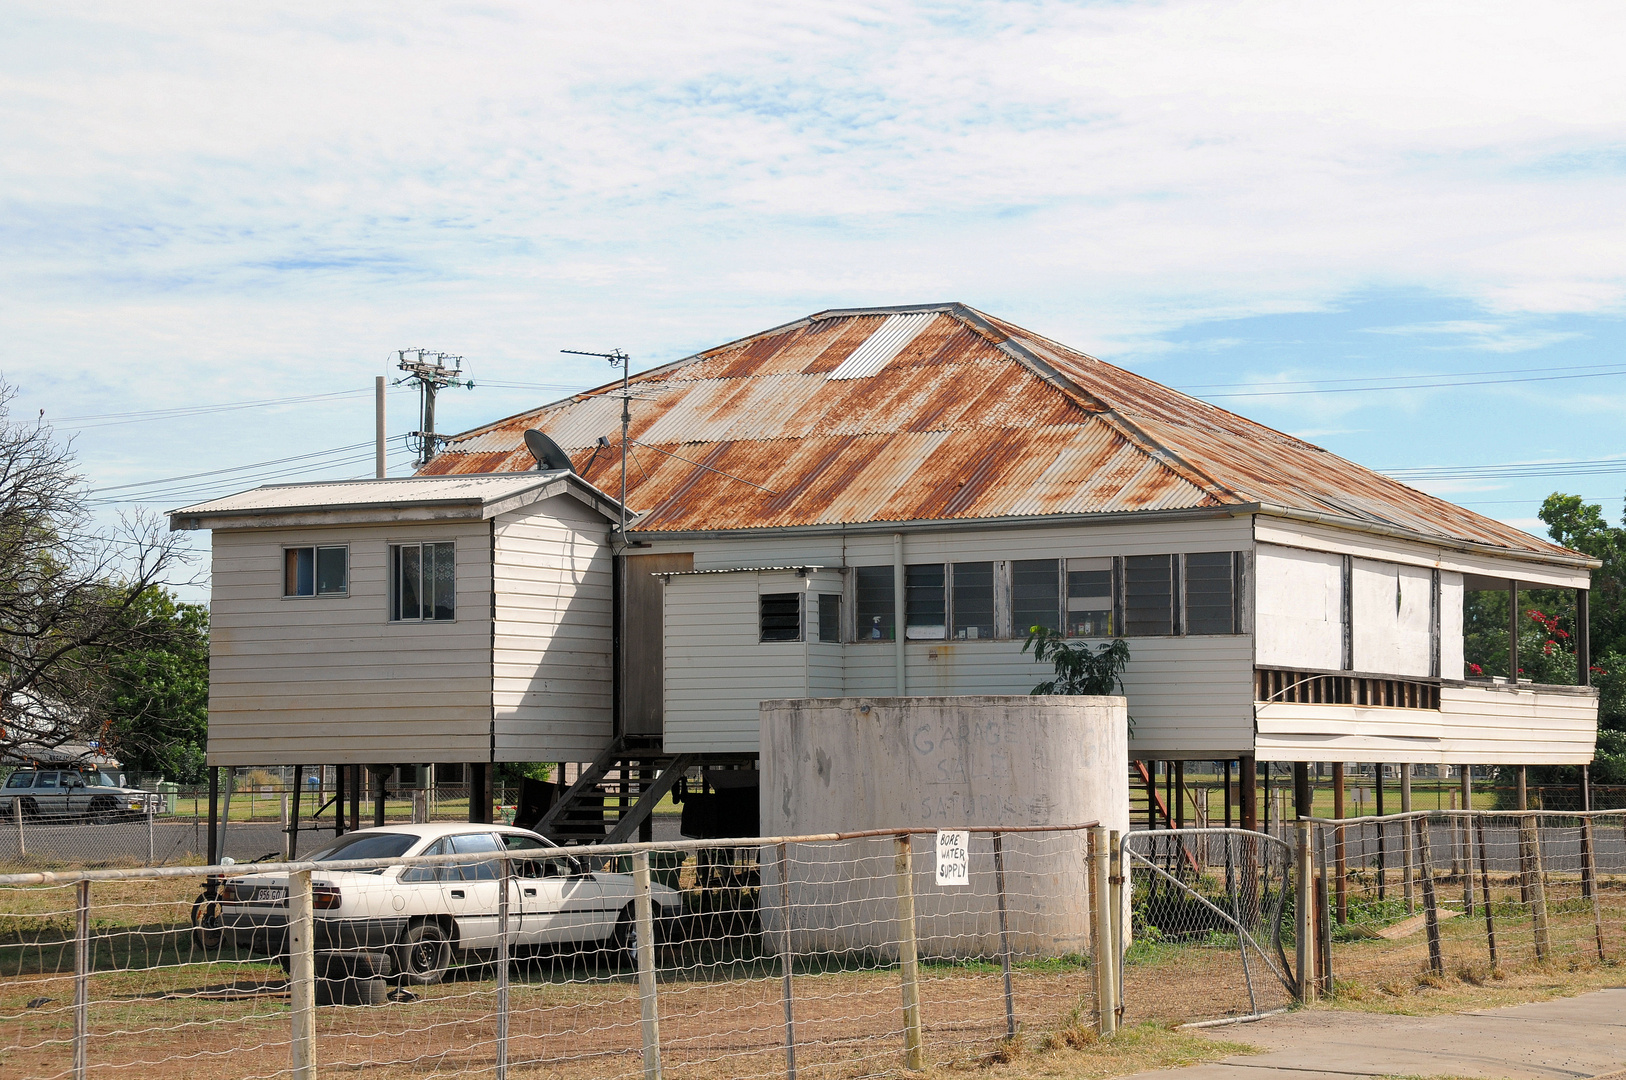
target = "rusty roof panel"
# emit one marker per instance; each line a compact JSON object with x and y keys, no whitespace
{"x":973,"y":418}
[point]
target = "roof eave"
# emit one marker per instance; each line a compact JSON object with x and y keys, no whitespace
{"x":416,"y":511}
{"x":1573,"y":560}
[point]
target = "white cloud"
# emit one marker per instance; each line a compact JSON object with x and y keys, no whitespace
{"x":226,"y":201}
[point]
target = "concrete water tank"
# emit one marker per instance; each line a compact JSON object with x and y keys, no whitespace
{"x":837,"y":765}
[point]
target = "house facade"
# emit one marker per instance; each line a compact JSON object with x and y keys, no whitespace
{"x":883,"y":502}
{"x":928,"y":482}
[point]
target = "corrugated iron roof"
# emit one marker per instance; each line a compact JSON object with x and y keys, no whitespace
{"x":955,"y":415}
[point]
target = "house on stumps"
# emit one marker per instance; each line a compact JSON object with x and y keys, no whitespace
{"x":879,"y":502}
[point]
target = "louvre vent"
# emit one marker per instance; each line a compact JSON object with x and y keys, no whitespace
{"x":889,"y":339}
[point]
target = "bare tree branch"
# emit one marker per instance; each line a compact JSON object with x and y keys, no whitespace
{"x":70,"y":593}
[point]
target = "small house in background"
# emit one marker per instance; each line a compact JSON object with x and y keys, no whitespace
{"x":457,"y":619}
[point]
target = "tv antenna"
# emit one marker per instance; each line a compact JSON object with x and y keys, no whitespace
{"x":617,"y":358}
{"x":429,"y":371}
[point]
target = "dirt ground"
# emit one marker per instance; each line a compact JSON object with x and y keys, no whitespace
{"x":160,"y":1008}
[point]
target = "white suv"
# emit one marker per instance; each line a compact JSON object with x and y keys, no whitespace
{"x":422,"y":915}
{"x":86,"y":793}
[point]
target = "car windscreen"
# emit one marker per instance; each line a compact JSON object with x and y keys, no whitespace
{"x":22,"y":779}
{"x":366,"y":846}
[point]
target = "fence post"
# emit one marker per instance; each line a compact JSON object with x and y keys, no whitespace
{"x":1304,"y":915}
{"x":505,"y":882}
{"x":302,"y":975}
{"x":1589,"y":875}
{"x":645,"y":914}
{"x":1484,"y":885}
{"x":1115,"y":898}
{"x":1431,"y":911}
{"x":1004,"y":936}
{"x":17,"y":811}
{"x":81,"y":980}
{"x":914,"y":1053}
{"x":152,"y":812}
{"x":787,"y":960}
{"x":1534,"y":887}
{"x":1323,"y":914}
{"x":1408,"y":859}
{"x":1102,"y":946}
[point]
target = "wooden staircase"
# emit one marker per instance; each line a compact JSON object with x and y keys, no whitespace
{"x":615,"y":794}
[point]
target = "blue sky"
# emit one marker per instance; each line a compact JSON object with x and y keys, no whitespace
{"x":1284,"y":203}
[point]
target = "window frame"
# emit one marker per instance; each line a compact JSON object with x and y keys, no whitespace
{"x":943,"y":587}
{"x":860,"y":630}
{"x":392,"y":580}
{"x":951,"y":589}
{"x":316,"y":570}
{"x":1235,"y":566}
{"x":762,"y":618}
{"x":839,"y":617}
{"x":1114,"y":608}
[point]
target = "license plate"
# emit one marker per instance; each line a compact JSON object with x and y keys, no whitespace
{"x":269,"y":895}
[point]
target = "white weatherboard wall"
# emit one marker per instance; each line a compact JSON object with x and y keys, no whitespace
{"x":551,"y":669}
{"x":717,"y":670}
{"x":853,"y":764}
{"x":1477,"y":724}
{"x":329,"y":679}
{"x":1191,"y":697}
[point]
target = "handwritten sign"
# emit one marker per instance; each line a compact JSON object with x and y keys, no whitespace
{"x":953,"y":857}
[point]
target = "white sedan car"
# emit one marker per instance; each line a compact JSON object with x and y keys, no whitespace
{"x":423,"y":915}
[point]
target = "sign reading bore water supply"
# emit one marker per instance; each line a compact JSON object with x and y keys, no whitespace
{"x":953,"y":857}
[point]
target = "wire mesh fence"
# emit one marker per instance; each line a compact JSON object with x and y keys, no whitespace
{"x":1423,"y":895}
{"x":1212,"y":913}
{"x":133,"y":838}
{"x":477,"y":950}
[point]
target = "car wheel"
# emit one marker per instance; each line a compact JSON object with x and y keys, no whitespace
{"x":425,"y":954}
{"x":624,"y":942}
{"x":207,"y":930}
{"x":103,"y":810}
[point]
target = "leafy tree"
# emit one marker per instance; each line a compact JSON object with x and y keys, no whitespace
{"x":1547,"y":625}
{"x":1079,"y":669}
{"x":158,"y":693}
{"x":72,"y":598}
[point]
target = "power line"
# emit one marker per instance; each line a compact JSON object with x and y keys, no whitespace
{"x":1371,"y":378}
{"x":177,"y":487}
{"x":1511,"y":470}
{"x":1416,"y":385}
{"x":236,"y":468}
{"x":177,"y":412}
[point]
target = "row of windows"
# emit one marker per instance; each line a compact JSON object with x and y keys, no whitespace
{"x":422,"y":585}
{"x":1127,"y":596}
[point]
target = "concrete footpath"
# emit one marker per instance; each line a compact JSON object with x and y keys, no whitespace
{"x":1581,"y":1036}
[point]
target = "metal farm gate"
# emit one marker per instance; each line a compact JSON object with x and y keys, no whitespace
{"x":1208,"y":911}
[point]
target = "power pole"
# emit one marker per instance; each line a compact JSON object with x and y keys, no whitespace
{"x":429,"y":372}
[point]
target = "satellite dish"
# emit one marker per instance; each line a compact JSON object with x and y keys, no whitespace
{"x":547,"y":453}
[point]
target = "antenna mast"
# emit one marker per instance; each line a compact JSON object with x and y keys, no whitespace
{"x":617,"y":358}
{"x":428,"y":370}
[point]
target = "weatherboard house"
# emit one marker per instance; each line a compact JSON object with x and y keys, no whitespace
{"x":870,"y":502}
